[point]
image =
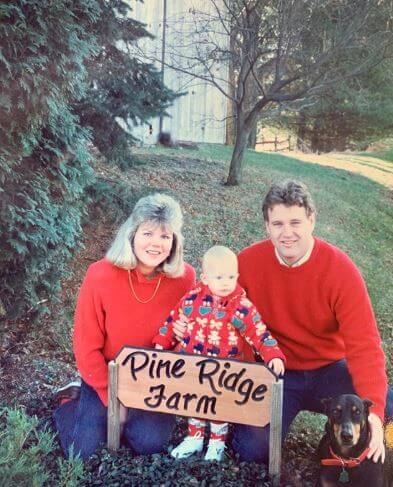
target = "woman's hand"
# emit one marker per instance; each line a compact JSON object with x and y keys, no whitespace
{"x":377,"y":448}
{"x":179,"y":327}
{"x":277,"y":366}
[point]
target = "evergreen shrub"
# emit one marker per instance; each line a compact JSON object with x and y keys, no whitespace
{"x":67,"y":77}
{"x":27,"y":454}
{"x":44,"y":160}
{"x":115,"y":198}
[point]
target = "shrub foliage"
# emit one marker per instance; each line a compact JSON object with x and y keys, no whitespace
{"x":65,"y":80}
{"x":27,"y":452}
{"x":44,"y":163}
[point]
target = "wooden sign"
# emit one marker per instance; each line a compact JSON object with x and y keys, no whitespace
{"x":195,"y":385}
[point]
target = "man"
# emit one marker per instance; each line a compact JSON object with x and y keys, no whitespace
{"x":315,"y":302}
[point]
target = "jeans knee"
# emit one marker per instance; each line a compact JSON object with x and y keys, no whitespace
{"x":251,"y":443}
{"x":145,"y":444}
{"x":82,"y":424}
{"x":148,"y":433}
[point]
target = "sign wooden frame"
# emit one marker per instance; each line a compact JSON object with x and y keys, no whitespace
{"x":198,"y":386}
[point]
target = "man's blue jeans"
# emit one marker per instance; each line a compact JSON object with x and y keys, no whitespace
{"x":303,"y":390}
{"x":83,"y":424}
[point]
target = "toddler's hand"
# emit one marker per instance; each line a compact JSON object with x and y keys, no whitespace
{"x":277,"y":366}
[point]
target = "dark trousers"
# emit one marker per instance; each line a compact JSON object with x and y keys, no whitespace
{"x":303,"y":390}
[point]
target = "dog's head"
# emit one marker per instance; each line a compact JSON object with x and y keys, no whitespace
{"x":347,"y":422}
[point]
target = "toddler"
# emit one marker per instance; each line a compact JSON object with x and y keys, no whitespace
{"x":219,"y":319}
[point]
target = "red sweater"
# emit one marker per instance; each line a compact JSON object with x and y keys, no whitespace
{"x":218,"y":328}
{"x":108,"y":316}
{"x":319,"y":312}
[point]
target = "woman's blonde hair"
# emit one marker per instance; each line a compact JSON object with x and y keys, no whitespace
{"x":159,"y":209}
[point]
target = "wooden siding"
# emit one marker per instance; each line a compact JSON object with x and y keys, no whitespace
{"x":199,"y":115}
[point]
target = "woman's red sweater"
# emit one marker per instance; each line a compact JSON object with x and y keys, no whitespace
{"x":108,"y":316}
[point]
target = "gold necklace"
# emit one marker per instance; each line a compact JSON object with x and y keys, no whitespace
{"x":134,"y":293}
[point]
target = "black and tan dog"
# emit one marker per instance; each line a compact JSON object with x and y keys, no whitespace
{"x":343,"y":450}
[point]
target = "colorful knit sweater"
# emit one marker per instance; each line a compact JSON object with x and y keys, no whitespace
{"x":108,"y":316}
{"x":218,"y":326}
{"x":319,"y":312}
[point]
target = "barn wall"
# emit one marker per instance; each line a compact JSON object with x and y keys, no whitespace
{"x":200,"y":114}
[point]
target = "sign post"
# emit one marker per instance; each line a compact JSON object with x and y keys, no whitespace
{"x":198,"y":386}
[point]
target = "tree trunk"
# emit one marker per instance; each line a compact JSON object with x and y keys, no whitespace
{"x":230,"y":133}
{"x":236,"y":166}
{"x":316,"y":137}
{"x":301,"y":131}
{"x":252,"y":139}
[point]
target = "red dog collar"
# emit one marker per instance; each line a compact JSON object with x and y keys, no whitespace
{"x":337,"y":461}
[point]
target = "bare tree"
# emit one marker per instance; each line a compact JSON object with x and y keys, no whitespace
{"x":279,"y":52}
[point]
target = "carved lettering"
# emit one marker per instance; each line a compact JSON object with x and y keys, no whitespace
{"x":177,"y":401}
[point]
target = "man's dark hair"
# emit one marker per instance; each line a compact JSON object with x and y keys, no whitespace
{"x":288,"y":193}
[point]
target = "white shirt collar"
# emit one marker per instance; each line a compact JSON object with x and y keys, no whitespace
{"x":299,"y":262}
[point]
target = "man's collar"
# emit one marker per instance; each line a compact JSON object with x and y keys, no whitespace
{"x":299,"y":262}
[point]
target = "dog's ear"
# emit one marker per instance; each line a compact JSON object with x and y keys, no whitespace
{"x":367,"y":404}
{"x":326,"y":401}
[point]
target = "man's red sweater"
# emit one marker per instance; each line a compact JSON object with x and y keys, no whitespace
{"x":319,"y":312}
{"x":108,"y":316}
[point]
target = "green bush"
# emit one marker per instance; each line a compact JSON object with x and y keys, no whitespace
{"x":26,"y":452}
{"x":44,"y":161}
{"x":64,"y":81}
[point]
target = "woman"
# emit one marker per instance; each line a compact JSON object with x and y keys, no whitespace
{"x":123,"y":299}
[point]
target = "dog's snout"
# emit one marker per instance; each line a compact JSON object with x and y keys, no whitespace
{"x":346,"y":435}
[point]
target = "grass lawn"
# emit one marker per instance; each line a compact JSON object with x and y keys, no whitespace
{"x":385,"y":153}
{"x":354,"y":213}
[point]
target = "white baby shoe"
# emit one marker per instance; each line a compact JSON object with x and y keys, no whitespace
{"x":215,"y":450}
{"x":189,"y":446}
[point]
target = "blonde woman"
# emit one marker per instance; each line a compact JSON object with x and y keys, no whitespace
{"x":123,"y":299}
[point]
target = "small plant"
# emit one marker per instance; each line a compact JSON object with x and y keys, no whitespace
{"x":21,"y":450}
{"x":71,"y":471}
{"x":26,"y":450}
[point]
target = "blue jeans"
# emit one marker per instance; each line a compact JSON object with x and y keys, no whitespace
{"x":83,"y":424}
{"x":303,"y":390}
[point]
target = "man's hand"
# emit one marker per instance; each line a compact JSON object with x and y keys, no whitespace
{"x":377,"y":448}
{"x":277,"y":366}
{"x":179,"y":327}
